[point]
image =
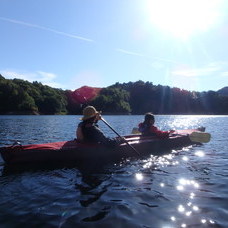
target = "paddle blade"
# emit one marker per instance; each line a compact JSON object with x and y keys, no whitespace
{"x":135,"y":130}
{"x":200,"y":137}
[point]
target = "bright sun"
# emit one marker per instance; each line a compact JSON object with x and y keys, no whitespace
{"x":183,"y":18}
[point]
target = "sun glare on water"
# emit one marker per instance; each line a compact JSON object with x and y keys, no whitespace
{"x":183,"y":18}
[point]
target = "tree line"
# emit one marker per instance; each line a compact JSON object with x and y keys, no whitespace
{"x":22,"y":97}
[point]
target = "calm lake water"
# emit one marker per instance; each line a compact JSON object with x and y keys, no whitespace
{"x":186,"y":188}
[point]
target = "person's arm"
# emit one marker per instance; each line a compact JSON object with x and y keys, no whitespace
{"x":141,"y":127}
{"x":159,"y":133}
{"x":98,"y":136}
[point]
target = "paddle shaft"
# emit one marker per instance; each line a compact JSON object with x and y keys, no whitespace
{"x":120,"y":136}
{"x":194,"y":136}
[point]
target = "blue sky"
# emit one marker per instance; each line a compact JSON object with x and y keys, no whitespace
{"x":71,"y":43}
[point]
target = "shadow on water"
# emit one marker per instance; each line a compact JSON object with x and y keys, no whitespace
{"x":90,"y":184}
{"x":88,"y":167}
{"x":94,"y":184}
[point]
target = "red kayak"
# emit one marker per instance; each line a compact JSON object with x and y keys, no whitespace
{"x":75,"y":151}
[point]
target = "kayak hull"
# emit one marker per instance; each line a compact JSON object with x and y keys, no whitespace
{"x":74,"y":151}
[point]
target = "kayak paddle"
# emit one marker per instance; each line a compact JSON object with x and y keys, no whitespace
{"x":119,"y":135}
{"x":135,"y":130}
{"x":196,"y":136}
{"x":200,"y":137}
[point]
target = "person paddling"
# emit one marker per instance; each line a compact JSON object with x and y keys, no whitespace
{"x":147,"y":127}
{"x":89,"y":131}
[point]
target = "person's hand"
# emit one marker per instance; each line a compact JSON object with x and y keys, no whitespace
{"x":171,"y":131}
{"x":98,"y":116}
{"x":121,"y":140}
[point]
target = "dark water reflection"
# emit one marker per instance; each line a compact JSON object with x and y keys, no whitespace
{"x":186,"y":188}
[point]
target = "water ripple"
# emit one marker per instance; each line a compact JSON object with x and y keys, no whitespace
{"x":186,"y":188}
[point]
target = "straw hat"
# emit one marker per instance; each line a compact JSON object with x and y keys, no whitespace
{"x":89,"y":112}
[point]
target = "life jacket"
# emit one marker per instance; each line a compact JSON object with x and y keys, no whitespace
{"x":79,"y":133}
{"x":145,"y":129}
{"x":82,"y":129}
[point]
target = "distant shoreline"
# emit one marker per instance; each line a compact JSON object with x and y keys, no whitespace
{"x":32,"y":113}
{"x":108,"y":114}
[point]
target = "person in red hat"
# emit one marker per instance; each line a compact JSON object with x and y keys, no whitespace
{"x":147,"y":127}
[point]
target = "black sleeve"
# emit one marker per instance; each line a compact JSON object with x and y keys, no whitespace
{"x":97,"y":135}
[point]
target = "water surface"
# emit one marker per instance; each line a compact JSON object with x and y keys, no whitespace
{"x":186,"y":188}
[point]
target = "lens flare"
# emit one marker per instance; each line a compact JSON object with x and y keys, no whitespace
{"x":183,"y":18}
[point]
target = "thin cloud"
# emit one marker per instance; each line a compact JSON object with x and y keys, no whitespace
{"x":166,"y":60}
{"x":46,"y":29}
{"x":224,"y":74}
{"x":160,"y":63}
{"x":40,"y":76}
{"x":155,"y":62}
{"x":9,"y":74}
{"x":128,"y":52}
{"x":46,"y":76}
{"x":192,"y":72}
{"x":214,"y":67}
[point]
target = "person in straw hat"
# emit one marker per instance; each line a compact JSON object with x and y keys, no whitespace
{"x":89,"y":131}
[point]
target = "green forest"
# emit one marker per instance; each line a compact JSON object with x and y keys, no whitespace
{"x":22,"y":97}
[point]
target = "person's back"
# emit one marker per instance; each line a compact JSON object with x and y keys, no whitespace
{"x":89,"y":131}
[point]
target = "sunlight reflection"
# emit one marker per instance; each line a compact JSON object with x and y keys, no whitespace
{"x":175,"y":163}
{"x":147,"y":164}
{"x":165,"y":160}
{"x":139,"y":176}
{"x":183,"y":225}
{"x":195,"y":208}
{"x":189,"y":204}
{"x":188,"y":213}
{"x":185,"y":158}
{"x":162,"y":185}
{"x":160,"y":160}
{"x":186,"y":149}
{"x":183,"y":182}
{"x":185,"y":122}
{"x":192,"y":195}
{"x":173,"y":218}
{"x":180,"y":188}
{"x":168,"y":156}
{"x":211,"y":221}
{"x":196,"y":185}
{"x":181,"y":208}
{"x":200,"y":153}
{"x":203,"y":221}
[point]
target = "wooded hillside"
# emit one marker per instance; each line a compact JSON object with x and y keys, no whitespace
{"x":22,"y":97}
